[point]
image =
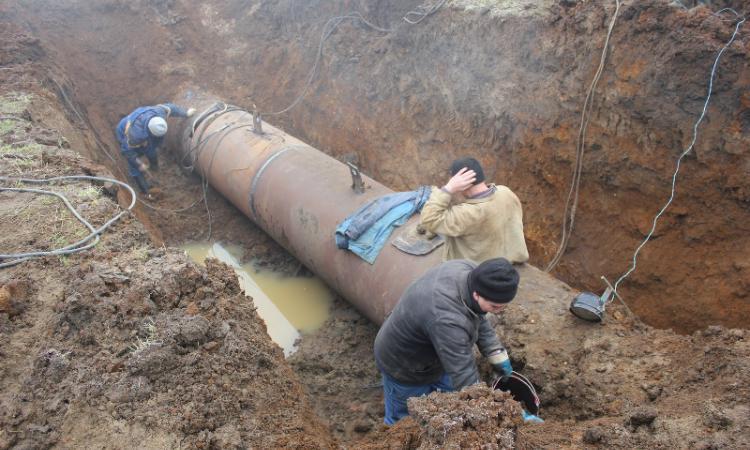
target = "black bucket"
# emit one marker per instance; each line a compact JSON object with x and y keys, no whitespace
{"x":588,"y":306}
{"x":521,"y":389}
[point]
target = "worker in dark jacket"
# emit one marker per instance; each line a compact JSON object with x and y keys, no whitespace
{"x":141,"y":133}
{"x":427,"y":342}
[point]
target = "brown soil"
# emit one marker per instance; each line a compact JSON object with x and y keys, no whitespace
{"x":131,"y":345}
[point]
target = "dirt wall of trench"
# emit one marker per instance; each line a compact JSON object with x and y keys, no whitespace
{"x":502,"y":81}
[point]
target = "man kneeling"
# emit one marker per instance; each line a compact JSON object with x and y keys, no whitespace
{"x":427,"y":343}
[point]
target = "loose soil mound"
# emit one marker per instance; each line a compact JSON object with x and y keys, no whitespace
{"x":474,"y":417}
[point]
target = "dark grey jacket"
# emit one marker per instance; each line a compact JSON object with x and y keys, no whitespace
{"x":433,"y":330}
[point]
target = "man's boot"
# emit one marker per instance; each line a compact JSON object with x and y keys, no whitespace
{"x":142,"y":184}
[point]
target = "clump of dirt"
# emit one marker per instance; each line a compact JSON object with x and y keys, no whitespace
{"x":143,"y":341}
{"x":476,"y":416}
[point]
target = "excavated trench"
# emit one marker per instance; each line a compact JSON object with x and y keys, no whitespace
{"x":503,"y":81}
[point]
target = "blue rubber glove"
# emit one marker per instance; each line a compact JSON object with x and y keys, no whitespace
{"x":531,"y":418}
{"x":500,"y":363}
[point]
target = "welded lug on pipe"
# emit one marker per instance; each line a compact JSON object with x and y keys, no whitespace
{"x":298,"y":195}
{"x":257,"y":121}
{"x":358,"y":186}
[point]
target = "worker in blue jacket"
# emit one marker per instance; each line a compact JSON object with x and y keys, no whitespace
{"x":141,"y":133}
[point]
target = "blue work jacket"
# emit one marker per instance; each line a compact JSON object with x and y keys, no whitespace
{"x":133,"y":134}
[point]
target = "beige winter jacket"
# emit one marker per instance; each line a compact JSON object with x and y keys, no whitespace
{"x":478,"y":229}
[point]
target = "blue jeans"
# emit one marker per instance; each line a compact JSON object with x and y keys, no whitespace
{"x":396,"y":394}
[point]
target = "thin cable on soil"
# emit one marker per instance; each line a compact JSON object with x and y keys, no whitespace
{"x":570,"y":211}
{"x":570,"y":208}
{"x":419,"y":15}
{"x":684,"y":153}
{"x":16,"y":258}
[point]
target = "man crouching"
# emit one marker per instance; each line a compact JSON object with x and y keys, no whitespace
{"x":427,"y":342}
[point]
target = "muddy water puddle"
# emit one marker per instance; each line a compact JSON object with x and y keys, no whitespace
{"x":290,"y":306}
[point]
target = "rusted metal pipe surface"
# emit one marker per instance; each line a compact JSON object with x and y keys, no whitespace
{"x":298,"y":195}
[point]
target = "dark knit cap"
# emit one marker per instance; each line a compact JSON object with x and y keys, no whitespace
{"x":496,"y":280}
{"x":471,"y":164}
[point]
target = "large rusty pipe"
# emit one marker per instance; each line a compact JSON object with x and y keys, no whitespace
{"x":298,"y":195}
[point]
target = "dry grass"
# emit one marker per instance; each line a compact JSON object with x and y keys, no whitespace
{"x":140,"y":345}
{"x":14,"y":102}
{"x":503,"y":7}
{"x":6,"y":126}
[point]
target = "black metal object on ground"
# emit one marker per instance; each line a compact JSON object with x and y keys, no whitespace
{"x":521,"y":389}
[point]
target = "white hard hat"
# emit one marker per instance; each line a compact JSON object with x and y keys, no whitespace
{"x":157,"y":126}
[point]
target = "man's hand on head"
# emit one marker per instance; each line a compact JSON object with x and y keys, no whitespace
{"x":461,"y":181}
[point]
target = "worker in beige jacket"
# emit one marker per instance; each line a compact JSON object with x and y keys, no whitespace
{"x":477,"y":220}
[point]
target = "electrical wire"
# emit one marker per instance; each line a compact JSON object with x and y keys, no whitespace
{"x":422,"y":13}
{"x":207,"y":118}
{"x":330,"y":26}
{"x":78,"y":246}
{"x":682,"y":155}
{"x":72,"y":106}
{"x":333,"y":23}
{"x":25,"y":256}
{"x":571,"y":203}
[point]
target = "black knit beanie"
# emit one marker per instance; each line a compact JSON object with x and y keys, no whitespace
{"x":496,"y":280}
{"x":471,"y":164}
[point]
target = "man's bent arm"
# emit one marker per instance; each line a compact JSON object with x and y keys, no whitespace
{"x":174,"y":110}
{"x":456,"y":353}
{"x":440,"y":218}
{"x":488,"y":341}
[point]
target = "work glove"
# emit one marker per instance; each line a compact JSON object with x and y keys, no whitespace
{"x":190,"y":112}
{"x":531,"y":418}
{"x":500,"y":363}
